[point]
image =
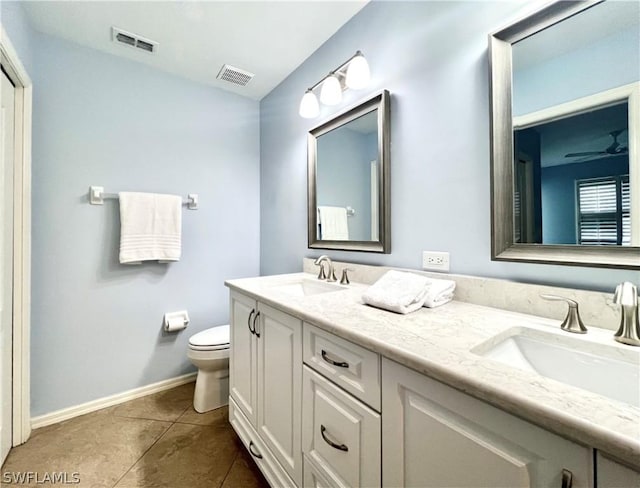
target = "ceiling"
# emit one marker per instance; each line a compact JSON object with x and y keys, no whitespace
{"x":267,"y":38}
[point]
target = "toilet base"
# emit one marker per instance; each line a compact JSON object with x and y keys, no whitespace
{"x":212,"y":390}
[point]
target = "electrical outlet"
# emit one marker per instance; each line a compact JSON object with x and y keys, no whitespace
{"x":435,"y":261}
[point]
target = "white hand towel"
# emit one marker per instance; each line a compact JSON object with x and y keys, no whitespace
{"x":398,"y":291}
{"x":333,"y":223}
{"x":439,"y":293}
{"x":150,"y":227}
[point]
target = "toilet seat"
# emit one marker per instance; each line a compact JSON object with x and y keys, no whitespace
{"x":213,"y":339}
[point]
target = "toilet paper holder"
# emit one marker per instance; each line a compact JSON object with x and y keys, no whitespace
{"x":174,"y":321}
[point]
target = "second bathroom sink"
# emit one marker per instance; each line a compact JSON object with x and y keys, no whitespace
{"x":608,"y":370}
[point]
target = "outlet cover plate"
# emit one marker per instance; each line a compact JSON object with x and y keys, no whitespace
{"x":435,"y":261}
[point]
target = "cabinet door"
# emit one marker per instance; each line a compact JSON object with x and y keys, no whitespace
{"x":614,"y":475}
{"x":243,"y":355}
{"x":279,"y":387}
{"x":435,"y":436}
{"x":341,"y":435}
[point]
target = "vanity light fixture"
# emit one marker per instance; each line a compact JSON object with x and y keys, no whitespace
{"x":331,"y":91}
{"x":353,"y":73}
{"x":309,"y":107}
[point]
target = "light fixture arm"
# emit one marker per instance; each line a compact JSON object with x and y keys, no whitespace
{"x":340,"y":71}
{"x":353,"y":73}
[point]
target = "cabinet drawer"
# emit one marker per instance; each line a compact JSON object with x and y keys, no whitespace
{"x":340,"y":435}
{"x":614,"y":475}
{"x":314,"y":477}
{"x":352,"y":367}
{"x":273,"y":472}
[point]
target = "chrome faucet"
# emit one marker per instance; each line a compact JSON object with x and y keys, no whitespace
{"x":331,"y":274}
{"x":572,"y":322}
{"x":626,"y":295}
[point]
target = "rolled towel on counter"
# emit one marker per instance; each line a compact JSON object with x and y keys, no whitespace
{"x":439,"y":292}
{"x":398,"y":292}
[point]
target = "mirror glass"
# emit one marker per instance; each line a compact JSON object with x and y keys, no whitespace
{"x":348,"y":167}
{"x":565,"y":93}
{"x":346,"y":178}
{"x":571,"y":140}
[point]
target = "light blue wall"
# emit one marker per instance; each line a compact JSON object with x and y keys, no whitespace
{"x":611,"y":62}
{"x":343,"y":166}
{"x":14,"y":21}
{"x":102,"y":120}
{"x":432,"y":57}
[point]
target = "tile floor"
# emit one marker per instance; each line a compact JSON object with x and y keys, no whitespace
{"x":154,"y":441}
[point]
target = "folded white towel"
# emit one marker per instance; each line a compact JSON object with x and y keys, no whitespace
{"x":150,"y":227}
{"x":439,"y":292}
{"x":333,"y":223}
{"x":398,"y":291}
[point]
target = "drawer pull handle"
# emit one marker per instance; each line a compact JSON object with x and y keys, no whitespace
{"x":340,"y":364}
{"x":254,"y":454}
{"x":340,"y":447}
{"x":249,"y":321}
{"x":255,"y":330}
{"x":567,"y":478}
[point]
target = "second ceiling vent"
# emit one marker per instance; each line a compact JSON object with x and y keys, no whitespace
{"x":133,"y":40}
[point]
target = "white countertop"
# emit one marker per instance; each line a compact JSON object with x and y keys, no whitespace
{"x":438,"y":343}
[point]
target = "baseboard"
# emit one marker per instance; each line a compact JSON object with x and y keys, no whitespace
{"x":100,"y":403}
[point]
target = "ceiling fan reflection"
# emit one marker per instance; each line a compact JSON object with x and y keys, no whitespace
{"x":613,"y":149}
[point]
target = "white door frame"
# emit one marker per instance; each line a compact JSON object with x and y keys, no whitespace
{"x":21,"y":240}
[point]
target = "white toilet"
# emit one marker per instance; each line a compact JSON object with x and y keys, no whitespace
{"x":209,"y":352}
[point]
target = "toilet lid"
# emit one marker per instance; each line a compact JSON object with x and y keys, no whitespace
{"x":215,"y":336}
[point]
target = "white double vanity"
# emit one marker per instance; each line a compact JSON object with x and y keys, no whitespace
{"x":326,"y":391}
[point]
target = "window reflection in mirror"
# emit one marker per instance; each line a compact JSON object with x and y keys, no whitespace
{"x":346,"y":181}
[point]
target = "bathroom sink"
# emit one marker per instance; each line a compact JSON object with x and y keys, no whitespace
{"x":306,"y":287}
{"x":607,"y":370}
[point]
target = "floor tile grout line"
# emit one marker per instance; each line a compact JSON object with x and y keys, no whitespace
{"x":143,"y":454}
{"x":230,"y":468}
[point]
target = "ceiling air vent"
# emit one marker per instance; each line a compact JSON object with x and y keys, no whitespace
{"x":234,"y":75}
{"x":133,"y":40}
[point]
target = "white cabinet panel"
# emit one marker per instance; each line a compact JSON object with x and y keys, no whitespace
{"x":341,"y":435}
{"x":435,"y":436}
{"x":264,"y":459}
{"x":314,"y":477}
{"x":352,"y":367}
{"x":242,"y":354}
{"x":614,"y":475}
{"x":279,"y":386}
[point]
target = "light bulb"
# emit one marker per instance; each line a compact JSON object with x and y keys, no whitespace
{"x":358,"y":74}
{"x":331,"y":92}
{"x":309,"y":107}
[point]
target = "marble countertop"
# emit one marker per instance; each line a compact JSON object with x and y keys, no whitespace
{"x":439,"y":342}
